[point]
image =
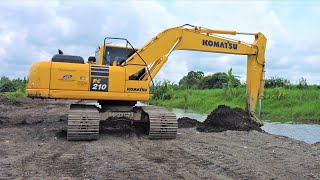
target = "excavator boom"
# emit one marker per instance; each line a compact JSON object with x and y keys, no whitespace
{"x":155,"y":53}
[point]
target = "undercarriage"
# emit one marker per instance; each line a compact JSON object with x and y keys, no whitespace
{"x":84,"y":120}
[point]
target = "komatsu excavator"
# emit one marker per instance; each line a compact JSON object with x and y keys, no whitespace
{"x":119,"y":76}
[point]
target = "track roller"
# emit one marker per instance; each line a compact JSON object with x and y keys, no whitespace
{"x":163,"y":123}
{"x":83,"y":122}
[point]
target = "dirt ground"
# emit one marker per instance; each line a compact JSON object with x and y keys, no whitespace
{"x":33,"y":145}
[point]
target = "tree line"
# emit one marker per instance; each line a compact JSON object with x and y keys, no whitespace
{"x":12,"y":85}
{"x":221,"y":80}
{"x":197,"y":80}
{"x":193,"y":80}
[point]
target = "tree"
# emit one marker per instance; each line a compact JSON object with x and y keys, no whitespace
{"x":302,"y":83}
{"x":191,"y":80}
{"x":3,"y":79}
{"x":230,"y":89}
{"x":217,"y":81}
{"x":163,"y":90}
{"x":274,"y":82}
{"x":8,"y":86}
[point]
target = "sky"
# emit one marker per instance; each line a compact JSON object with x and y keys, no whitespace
{"x":32,"y":31}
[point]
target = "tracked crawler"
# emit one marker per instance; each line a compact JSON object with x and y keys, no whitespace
{"x":84,"y":120}
{"x":119,"y":76}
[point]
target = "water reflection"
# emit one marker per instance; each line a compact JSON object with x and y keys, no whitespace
{"x":309,"y":133}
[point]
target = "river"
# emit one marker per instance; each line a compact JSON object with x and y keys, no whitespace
{"x":309,"y":133}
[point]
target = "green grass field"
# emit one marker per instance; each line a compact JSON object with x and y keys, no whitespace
{"x":279,"y":104}
{"x":12,"y":95}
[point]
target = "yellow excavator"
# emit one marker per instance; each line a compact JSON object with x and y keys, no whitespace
{"x":119,"y":76}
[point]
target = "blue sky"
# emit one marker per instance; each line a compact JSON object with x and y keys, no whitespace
{"x":33,"y":30}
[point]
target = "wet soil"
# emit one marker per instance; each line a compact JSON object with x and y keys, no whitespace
{"x":225,"y":118}
{"x":186,"y":122}
{"x":33,"y":145}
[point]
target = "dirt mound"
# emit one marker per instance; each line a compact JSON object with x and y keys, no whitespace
{"x":186,"y":122}
{"x":225,"y":118}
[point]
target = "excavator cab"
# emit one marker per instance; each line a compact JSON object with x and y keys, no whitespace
{"x":113,"y":55}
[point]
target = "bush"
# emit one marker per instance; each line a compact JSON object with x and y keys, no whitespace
{"x":191,"y":80}
{"x":274,"y":82}
{"x":163,"y":90}
{"x":8,"y":86}
{"x":302,"y":83}
{"x":197,"y":80}
{"x":278,"y":93}
{"x":13,"y":95}
{"x":214,"y":81}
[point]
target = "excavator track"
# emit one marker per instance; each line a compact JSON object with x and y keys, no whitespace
{"x":163,"y":123}
{"x":83,"y":122}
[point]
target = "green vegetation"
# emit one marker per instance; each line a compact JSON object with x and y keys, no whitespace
{"x":14,"y":88}
{"x":278,"y":105}
{"x":197,"y":80}
{"x":282,"y":102}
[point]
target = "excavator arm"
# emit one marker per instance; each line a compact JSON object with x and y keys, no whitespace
{"x":156,"y":52}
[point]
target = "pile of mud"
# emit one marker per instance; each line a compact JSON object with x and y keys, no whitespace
{"x":186,"y":122}
{"x":225,"y":118}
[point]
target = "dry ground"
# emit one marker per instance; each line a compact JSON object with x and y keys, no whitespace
{"x":33,"y":145}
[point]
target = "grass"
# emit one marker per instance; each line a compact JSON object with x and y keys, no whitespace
{"x":279,"y":104}
{"x":13,"y":95}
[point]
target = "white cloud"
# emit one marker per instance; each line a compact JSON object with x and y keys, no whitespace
{"x":6,"y":38}
{"x":313,"y":60}
{"x":223,"y":59}
{"x":173,"y":70}
{"x":33,"y":30}
{"x":284,"y":60}
{"x":2,"y":53}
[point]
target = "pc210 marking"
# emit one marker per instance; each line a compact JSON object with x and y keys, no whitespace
{"x":121,"y":114}
{"x":99,"y":86}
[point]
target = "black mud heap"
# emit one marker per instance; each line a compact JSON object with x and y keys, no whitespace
{"x":225,"y":118}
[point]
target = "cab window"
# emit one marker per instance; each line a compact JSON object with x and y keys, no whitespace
{"x":117,"y":54}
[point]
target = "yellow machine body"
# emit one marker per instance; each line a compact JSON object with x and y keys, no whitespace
{"x":83,"y":81}
{"x":113,"y":81}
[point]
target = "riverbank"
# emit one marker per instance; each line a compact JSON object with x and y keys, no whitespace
{"x":281,"y":105}
{"x":34,"y":145}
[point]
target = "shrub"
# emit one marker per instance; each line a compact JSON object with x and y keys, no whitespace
{"x":163,"y":90}
{"x":13,"y":95}
{"x":274,"y":82}
{"x":8,"y":86}
{"x":302,"y":83}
